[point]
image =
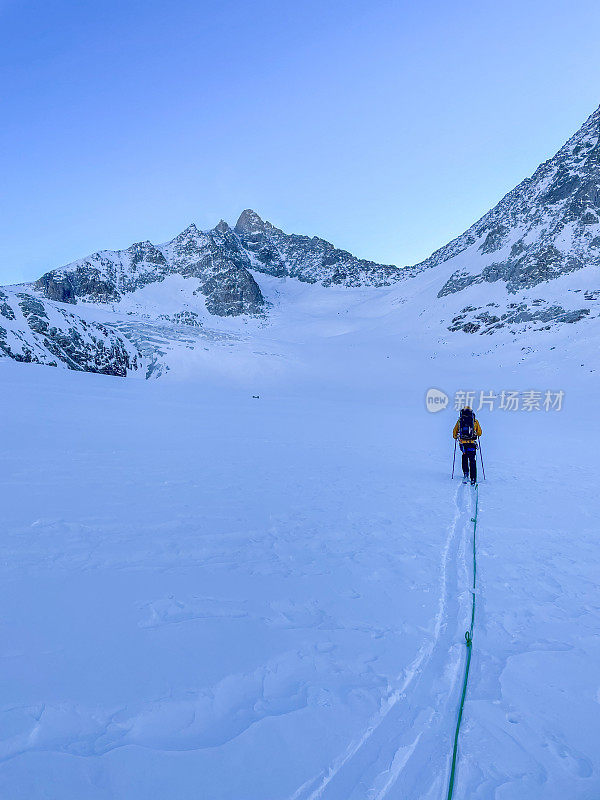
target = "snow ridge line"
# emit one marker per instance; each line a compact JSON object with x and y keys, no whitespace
{"x":469,"y":643}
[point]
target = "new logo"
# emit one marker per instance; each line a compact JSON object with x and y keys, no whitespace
{"x":436,"y":400}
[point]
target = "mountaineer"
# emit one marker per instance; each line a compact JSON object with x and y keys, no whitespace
{"x":467,"y":431}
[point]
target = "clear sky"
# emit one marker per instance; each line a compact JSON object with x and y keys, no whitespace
{"x":385,"y":127}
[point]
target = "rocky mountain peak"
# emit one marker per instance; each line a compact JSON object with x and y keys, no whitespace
{"x":144,"y":251}
{"x":249,"y":222}
{"x":191,"y":232}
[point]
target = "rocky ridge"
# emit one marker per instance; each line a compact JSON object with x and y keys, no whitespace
{"x":213,"y":258}
{"x":220,"y":260}
{"x":547,"y":226}
{"x":41,"y":332}
{"x":308,"y":259}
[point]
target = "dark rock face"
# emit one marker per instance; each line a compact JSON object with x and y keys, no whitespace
{"x":493,"y":240}
{"x":34,"y":312}
{"x":229,"y":293}
{"x":84,"y":281}
{"x":57,"y":287}
{"x":308,"y":259}
{"x":5,"y":309}
{"x":457,"y":282}
{"x":147,"y":264}
{"x":516,"y":316}
{"x":216,"y":258}
{"x":34,"y":331}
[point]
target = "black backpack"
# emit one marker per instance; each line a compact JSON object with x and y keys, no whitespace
{"x":466,"y":424}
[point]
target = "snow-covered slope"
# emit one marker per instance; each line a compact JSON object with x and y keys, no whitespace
{"x":42,"y":332}
{"x":544,"y":227}
{"x":213,"y":258}
{"x":210,"y":594}
{"x":547,"y":228}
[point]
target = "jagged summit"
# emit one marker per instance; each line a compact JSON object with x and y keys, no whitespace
{"x":530,"y":263}
{"x":249,"y":222}
{"x":306,"y":258}
{"x":191,"y":231}
{"x":221,"y":260}
{"x":222,"y":226}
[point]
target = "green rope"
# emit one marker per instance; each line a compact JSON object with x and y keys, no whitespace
{"x":469,"y":642}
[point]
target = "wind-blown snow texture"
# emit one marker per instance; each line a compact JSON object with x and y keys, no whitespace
{"x":207,"y":594}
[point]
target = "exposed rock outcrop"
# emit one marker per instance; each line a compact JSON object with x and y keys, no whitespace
{"x":41,"y":332}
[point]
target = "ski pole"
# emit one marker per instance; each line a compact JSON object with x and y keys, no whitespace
{"x":481,"y":458}
{"x":454,"y":459}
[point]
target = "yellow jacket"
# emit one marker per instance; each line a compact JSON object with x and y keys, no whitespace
{"x":464,"y":441}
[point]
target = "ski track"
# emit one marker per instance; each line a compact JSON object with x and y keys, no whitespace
{"x":386,"y":761}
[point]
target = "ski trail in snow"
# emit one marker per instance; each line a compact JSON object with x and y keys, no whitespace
{"x":431,"y":746}
{"x":379,"y":757}
{"x":400,"y":760}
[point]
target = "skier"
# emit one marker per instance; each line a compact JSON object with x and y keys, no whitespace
{"x":467,"y":430}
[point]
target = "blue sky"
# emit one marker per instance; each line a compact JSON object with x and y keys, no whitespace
{"x":385,"y":127}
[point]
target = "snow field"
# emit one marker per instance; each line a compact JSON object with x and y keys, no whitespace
{"x":208,"y":595}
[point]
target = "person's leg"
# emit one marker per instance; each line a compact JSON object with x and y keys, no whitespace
{"x":465,"y":465}
{"x":473,"y":465}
